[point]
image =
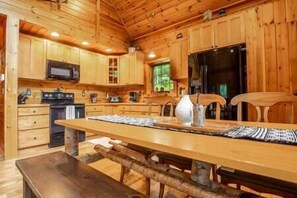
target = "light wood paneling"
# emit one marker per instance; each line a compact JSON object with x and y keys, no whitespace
{"x":75,"y":21}
{"x":81,"y":92}
{"x":135,"y":14}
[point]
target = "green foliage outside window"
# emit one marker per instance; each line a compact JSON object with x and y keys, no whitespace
{"x":161,"y":78}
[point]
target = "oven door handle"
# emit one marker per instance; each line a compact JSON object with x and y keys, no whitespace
{"x":58,"y":107}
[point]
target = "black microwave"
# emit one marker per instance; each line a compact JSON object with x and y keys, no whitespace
{"x":57,"y":70}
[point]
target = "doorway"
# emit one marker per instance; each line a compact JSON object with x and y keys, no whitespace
{"x":2,"y":81}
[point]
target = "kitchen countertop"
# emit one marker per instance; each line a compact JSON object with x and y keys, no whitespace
{"x":32,"y":105}
{"x":89,"y":104}
{"x":116,"y":104}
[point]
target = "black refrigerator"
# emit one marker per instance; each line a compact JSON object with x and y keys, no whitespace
{"x":220,"y":71}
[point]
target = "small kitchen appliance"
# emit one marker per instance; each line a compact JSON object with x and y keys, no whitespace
{"x":114,"y":99}
{"x":133,"y":96}
{"x":93,"y":97}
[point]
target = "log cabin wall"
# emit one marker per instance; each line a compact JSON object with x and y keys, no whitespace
{"x":271,"y":38}
{"x":2,"y":72}
{"x":94,"y":20}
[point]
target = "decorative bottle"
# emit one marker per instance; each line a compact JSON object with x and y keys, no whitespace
{"x":198,"y":114}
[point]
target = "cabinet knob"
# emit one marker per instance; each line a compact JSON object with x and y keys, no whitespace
{"x":34,"y":122}
{"x":34,"y":111}
{"x":35,"y":138}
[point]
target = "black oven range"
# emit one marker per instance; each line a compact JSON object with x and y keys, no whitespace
{"x":62,"y":107}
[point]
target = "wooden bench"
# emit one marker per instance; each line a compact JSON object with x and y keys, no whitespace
{"x":61,"y":175}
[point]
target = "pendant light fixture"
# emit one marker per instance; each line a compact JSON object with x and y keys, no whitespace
{"x":152,"y":53}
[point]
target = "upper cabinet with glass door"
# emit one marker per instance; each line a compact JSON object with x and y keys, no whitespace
{"x":228,"y":30}
{"x":113,"y":70}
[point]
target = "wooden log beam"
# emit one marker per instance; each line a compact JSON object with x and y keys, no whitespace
{"x":147,"y":160}
{"x":184,"y":185}
{"x":71,"y":141}
{"x":90,"y":157}
{"x":11,"y":87}
{"x":129,"y":152}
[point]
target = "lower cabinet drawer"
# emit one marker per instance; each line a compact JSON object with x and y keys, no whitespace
{"x":33,"y":122}
{"x":94,"y":108}
{"x":94,"y":113}
{"x":33,"y":137}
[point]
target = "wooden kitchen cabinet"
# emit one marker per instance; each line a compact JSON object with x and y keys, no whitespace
{"x":229,"y":30}
{"x":113,"y":70}
{"x":202,"y":37}
{"x":62,"y":53}
{"x":33,"y":126}
{"x":136,"y":61}
{"x":94,"y":110}
{"x":136,"y":109}
{"x":92,"y":68}
{"x":221,"y":32}
{"x":124,"y":70}
{"x":32,"y":57}
{"x":102,"y":76}
{"x":132,"y":69}
{"x":179,"y":59}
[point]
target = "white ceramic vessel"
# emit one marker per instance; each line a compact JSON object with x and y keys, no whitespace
{"x":184,"y":110}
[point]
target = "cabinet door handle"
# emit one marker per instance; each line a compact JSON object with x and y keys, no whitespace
{"x":35,"y":138}
{"x":34,"y":122}
{"x":34,"y":111}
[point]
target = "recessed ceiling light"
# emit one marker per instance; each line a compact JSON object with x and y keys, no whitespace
{"x":55,"y":34}
{"x":85,"y":43}
{"x":108,"y":50}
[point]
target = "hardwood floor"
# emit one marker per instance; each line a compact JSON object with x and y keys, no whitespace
{"x":11,"y":183}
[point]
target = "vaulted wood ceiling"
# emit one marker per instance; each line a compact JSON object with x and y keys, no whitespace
{"x":108,"y":23}
{"x":135,"y":14}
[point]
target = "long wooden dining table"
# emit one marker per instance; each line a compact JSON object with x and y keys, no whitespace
{"x":263,"y":158}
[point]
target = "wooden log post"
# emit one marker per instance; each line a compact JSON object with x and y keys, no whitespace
{"x":71,"y":141}
{"x":11,"y":88}
{"x":181,"y":184}
{"x":200,"y":172}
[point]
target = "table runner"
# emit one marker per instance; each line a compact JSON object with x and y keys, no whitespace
{"x":282,"y":136}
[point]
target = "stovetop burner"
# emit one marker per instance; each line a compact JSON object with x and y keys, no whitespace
{"x":57,"y":97}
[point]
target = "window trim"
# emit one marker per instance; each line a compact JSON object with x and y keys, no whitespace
{"x":152,"y":79}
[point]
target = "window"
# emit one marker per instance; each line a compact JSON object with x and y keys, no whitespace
{"x":161,"y":78}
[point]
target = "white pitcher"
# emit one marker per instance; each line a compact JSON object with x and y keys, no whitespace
{"x":184,"y":109}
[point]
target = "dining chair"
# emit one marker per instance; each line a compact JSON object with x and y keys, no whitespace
{"x":183,"y":163}
{"x":262,"y":101}
{"x":162,"y":102}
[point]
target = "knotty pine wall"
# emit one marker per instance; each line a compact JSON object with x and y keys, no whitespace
{"x":77,"y":20}
{"x":271,"y":38}
{"x":2,"y":71}
{"x":38,"y":86}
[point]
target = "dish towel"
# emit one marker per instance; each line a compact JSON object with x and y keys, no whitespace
{"x":70,"y":112}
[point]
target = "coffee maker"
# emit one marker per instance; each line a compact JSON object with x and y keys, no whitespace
{"x":133,"y":96}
